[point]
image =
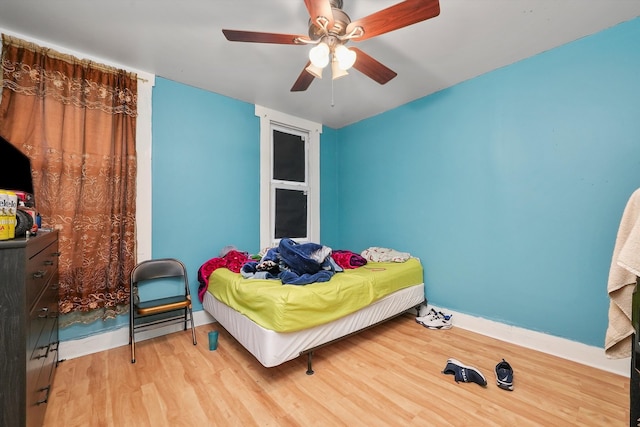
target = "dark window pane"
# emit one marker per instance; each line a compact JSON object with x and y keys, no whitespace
{"x":291,"y":214}
{"x":288,"y":157}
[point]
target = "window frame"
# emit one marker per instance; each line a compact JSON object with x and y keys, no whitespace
{"x":274,"y":120}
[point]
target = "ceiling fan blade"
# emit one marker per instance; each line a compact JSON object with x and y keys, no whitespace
{"x":394,"y":17}
{"x":320,"y":8}
{"x":258,"y":37}
{"x":372,"y":68}
{"x":304,"y":80}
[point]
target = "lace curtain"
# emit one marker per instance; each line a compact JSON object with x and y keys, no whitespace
{"x":76,"y":121}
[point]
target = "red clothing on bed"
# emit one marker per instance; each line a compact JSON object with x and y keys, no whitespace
{"x":233,"y":260}
{"x":347,"y":259}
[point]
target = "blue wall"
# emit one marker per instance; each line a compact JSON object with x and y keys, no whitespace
{"x":206,"y":175}
{"x":509,"y":187}
{"x":330,"y":212}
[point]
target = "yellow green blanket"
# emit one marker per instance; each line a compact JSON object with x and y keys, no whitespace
{"x":289,"y":308}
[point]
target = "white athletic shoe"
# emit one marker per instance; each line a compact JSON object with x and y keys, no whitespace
{"x":435,"y":320}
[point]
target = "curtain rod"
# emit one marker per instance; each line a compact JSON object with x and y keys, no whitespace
{"x":52,"y":53}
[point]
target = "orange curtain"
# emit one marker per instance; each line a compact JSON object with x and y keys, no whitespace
{"x":76,"y":121}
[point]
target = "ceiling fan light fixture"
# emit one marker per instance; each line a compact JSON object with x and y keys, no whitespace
{"x":319,"y":55}
{"x":345,"y":57}
{"x":336,"y":71}
{"x":330,"y":29}
{"x":314,"y":71}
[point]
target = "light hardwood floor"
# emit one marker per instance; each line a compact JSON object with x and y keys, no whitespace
{"x":386,"y":376}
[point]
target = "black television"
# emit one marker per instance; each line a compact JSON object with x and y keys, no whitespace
{"x":15,"y":169}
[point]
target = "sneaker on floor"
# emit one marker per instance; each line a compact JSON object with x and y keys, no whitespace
{"x":445,"y":316}
{"x":423,"y":310}
{"x":465,"y":374}
{"x":435,"y":320}
{"x":504,"y":375}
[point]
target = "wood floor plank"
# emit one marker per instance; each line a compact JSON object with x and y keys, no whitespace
{"x":386,"y":376}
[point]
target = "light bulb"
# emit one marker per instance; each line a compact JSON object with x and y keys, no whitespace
{"x":346,"y":58}
{"x":319,"y":55}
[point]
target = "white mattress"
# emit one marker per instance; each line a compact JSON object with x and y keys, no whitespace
{"x":274,"y":348}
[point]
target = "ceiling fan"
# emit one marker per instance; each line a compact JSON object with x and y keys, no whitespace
{"x":330,"y":29}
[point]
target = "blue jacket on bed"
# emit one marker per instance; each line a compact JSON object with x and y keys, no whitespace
{"x":294,"y":263}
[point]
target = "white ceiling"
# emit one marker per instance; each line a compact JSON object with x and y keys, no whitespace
{"x":182,"y":41}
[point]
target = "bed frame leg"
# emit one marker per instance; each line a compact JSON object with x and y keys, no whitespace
{"x":309,"y":357}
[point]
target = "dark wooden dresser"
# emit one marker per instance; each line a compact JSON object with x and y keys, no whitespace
{"x":28,"y":327}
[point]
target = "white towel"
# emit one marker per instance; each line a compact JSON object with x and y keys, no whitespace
{"x":625,"y":266}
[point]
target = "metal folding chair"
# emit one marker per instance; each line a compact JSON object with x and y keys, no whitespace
{"x":154,"y":313}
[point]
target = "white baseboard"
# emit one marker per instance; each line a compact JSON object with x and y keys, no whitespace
{"x":561,"y":347}
{"x":119,"y":337}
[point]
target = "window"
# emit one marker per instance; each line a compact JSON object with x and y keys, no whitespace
{"x":289,"y":178}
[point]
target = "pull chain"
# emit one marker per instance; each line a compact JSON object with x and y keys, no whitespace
{"x":332,"y":103}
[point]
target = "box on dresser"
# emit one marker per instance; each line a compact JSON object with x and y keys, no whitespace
{"x":28,"y":326}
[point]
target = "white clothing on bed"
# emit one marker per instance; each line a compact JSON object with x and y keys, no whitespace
{"x":376,"y":254}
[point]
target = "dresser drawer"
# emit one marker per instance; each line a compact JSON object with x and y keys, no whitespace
{"x":42,"y":357}
{"x":41,"y":377}
{"x":40,"y":269}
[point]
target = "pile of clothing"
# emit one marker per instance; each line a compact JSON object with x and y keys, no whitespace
{"x":294,"y":264}
{"x":291,"y":262}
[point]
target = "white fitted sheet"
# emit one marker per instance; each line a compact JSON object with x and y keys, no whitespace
{"x":274,"y":348}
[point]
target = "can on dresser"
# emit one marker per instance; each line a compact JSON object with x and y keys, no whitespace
{"x":12,"y":207}
{"x":4,"y":215}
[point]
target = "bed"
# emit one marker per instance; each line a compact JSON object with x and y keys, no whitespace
{"x":277,"y":323}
